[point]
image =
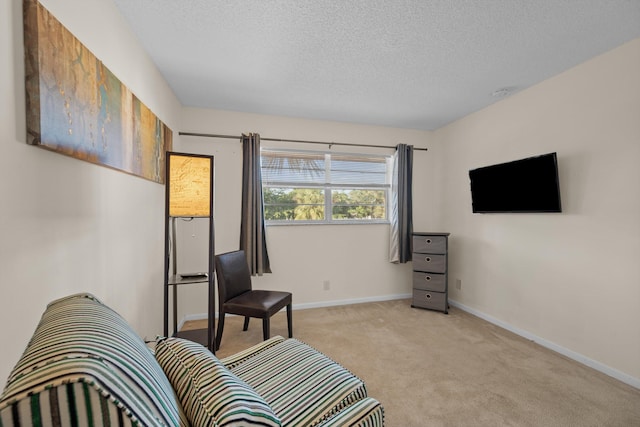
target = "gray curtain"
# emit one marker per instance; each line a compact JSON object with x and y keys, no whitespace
{"x":401,"y":212}
{"x":252,"y":230}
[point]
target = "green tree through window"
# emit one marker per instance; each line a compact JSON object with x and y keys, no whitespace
{"x":312,"y":187}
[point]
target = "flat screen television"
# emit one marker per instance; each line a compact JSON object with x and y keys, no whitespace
{"x":525,"y":185}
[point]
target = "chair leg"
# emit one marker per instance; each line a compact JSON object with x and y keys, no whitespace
{"x":220,"y":328}
{"x":266,"y":333}
{"x":289,"y":321}
{"x":246,"y":323}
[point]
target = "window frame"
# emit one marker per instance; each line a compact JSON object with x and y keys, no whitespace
{"x":327,"y":187}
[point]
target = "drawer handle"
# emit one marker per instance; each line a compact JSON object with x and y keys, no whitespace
{"x":428,"y":241}
{"x":427,"y":296}
{"x":427,"y":278}
{"x":428,"y":259}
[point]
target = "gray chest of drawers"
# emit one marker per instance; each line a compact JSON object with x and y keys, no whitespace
{"x":430,"y":289}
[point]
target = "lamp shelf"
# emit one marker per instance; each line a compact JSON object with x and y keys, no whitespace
{"x":176,"y":279}
{"x":188,"y":194}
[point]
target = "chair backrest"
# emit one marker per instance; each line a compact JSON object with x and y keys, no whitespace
{"x":234,"y":277}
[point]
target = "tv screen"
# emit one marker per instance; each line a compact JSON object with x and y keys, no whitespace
{"x":526,"y":185}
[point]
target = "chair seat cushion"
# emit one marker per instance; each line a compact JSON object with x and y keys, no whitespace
{"x":301,"y":385}
{"x":258,"y":303}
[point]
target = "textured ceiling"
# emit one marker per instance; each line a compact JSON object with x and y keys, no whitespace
{"x":403,"y":63}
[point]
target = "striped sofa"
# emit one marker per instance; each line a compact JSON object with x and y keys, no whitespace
{"x":85,"y":366}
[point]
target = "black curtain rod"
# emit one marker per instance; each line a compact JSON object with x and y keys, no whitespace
{"x":210,"y":135}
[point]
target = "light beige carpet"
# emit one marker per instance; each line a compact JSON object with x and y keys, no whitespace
{"x":431,"y":369}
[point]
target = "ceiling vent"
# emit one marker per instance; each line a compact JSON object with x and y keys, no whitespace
{"x":503,"y":92}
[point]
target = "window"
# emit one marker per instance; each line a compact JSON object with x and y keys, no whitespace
{"x":319,"y":188}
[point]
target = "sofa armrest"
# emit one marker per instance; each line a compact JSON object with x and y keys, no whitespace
{"x":85,"y":365}
{"x":367,"y":412}
{"x":234,"y":360}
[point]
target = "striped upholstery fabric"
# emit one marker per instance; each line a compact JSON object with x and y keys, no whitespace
{"x":210,"y":394}
{"x":301,"y":385}
{"x":235,"y":359}
{"x":84,"y":366}
{"x":364,"y":413}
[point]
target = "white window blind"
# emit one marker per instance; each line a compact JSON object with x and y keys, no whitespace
{"x":314,"y":187}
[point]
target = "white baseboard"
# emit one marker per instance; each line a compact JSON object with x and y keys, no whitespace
{"x":607,"y":370}
{"x":202,"y":316}
{"x":350,"y":301}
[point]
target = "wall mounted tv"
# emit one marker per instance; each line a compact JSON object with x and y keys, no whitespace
{"x":526,"y":185}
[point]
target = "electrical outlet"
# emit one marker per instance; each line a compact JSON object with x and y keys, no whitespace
{"x":458,"y":284}
{"x":326,"y":285}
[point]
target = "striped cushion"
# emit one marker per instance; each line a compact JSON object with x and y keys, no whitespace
{"x":210,"y":394}
{"x":364,"y":413}
{"x":85,"y":366}
{"x":301,"y":385}
{"x":235,"y":359}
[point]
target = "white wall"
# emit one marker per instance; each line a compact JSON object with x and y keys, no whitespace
{"x":354,"y":258}
{"x":66,"y":225}
{"x":571,"y":279}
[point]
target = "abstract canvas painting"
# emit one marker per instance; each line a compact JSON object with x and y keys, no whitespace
{"x":76,"y":106}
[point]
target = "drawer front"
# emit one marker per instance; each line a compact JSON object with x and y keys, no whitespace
{"x":429,"y":299}
{"x":430,"y":244}
{"x":429,"y":281}
{"x":430,"y":263}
